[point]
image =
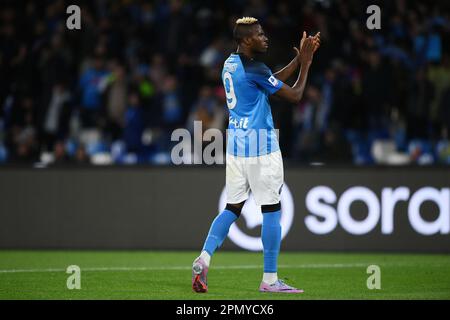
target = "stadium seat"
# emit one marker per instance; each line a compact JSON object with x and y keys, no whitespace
{"x":443,"y":151}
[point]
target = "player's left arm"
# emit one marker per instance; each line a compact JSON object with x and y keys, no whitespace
{"x":293,"y":66}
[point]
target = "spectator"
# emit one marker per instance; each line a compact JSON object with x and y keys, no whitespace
{"x":116,"y":101}
{"x":57,"y":116}
{"x":134,"y":125}
{"x":23,"y":132}
{"x":92,"y":83}
{"x":171,"y":105}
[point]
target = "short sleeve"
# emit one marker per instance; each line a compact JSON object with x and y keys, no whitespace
{"x":261,"y":75}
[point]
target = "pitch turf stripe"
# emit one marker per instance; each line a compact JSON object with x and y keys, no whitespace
{"x":162,"y":268}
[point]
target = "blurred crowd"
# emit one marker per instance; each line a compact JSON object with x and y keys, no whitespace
{"x":114,"y":91}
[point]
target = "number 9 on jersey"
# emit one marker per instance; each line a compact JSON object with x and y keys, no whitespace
{"x":229,"y":90}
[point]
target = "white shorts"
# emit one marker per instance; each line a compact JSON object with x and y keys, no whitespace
{"x":262,"y":175}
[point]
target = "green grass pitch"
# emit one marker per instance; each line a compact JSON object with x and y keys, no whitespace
{"x":233,"y":275}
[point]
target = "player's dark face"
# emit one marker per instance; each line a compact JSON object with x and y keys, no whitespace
{"x":260,"y":43}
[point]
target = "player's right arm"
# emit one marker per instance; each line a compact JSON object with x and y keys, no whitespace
{"x":295,"y":93}
{"x":285,"y":73}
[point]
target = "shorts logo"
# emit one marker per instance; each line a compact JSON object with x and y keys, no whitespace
{"x":273,"y":81}
{"x":253,"y":218}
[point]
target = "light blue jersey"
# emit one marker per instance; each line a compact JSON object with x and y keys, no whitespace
{"x":248,"y":84}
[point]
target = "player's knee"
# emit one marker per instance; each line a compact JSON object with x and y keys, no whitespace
{"x":267,"y":208}
{"x":236,"y":208}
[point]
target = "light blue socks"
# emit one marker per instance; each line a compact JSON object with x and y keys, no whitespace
{"x":218,"y":231}
{"x":271,"y":239}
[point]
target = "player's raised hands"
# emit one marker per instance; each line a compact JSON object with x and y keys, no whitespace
{"x":316,"y":42}
{"x":307,"y":50}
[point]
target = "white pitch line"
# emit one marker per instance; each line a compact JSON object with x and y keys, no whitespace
{"x":162,"y":268}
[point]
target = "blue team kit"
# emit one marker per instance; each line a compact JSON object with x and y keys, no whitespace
{"x":248,"y":84}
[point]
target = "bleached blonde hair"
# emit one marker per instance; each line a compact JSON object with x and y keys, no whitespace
{"x":246,"y":20}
